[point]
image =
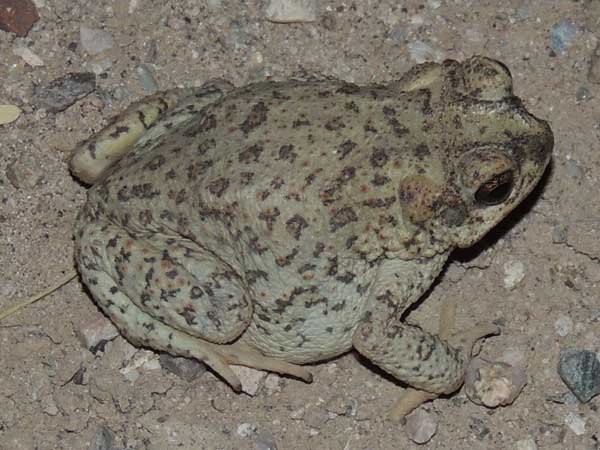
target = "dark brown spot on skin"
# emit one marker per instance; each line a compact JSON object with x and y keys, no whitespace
{"x":269,"y":216}
{"x":342,"y":217}
{"x":319,"y":248}
{"x":251,"y":154}
{"x":457,"y":122}
{"x":277,"y":182}
{"x":347,"y":174}
{"x":339,"y":306}
{"x":348,"y":88}
{"x":189,"y":314}
{"x":155,"y":163}
{"x":262,"y":195}
{"x":369,"y":128}
{"x":207,"y":123}
{"x":286,"y":152}
{"x":379,"y":180}
{"x":333,"y":266}
{"x":257,"y":116}
{"x":390,"y":115}
{"x":295,"y":225}
{"x":119,"y":131}
{"x":196,"y":292}
{"x":205,"y":146}
{"x":335,"y":124}
{"x":180,"y":197}
{"x":345,"y":148}
{"x":171,"y":274}
{"x":379,"y":202}
{"x":246,"y":178}
{"x":145,"y":217}
{"x":198,"y":168}
{"x":255,"y":245}
{"x":330,"y":195}
{"x":286,"y":260}
{"x":306,"y":268}
{"x":351,"y":106}
{"x":218,"y":187}
{"x":300,"y":123}
{"x":379,"y":158}
{"x":422,"y":151}
{"x":252,"y":276}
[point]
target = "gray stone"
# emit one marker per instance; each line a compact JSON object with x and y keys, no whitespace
{"x":421,"y":426}
{"x":580,"y":371}
{"x":94,"y":41}
{"x":561,"y":35}
{"x":25,"y":172}
{"x":289,"y":11}
{"x":62,"y":92}
{"x":188,"y":369}
{"x":103,"y":439}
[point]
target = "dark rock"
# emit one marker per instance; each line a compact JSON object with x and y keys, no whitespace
{"x":188,"y":369}
{"x":104,"y":439}
{"x":18,"y":16}
{"x":580,"y":371}
{"x":61,"y":93}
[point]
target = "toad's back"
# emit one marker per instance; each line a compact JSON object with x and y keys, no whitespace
{"x":274,"y":183}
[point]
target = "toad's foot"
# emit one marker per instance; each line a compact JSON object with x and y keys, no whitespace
{"x":219,"y":356}
{"x":142,"y":329}
{"x":413,"y":398}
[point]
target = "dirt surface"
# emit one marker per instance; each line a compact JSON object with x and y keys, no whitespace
{"x":55,"y":393}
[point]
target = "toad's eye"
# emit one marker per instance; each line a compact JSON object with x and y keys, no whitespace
{"x":495,"y":190}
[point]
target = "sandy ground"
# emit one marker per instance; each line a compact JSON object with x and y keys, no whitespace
{"x":55,"y":394}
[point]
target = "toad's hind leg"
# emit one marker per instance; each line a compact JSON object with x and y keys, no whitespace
{"x":141,"y":121}
{"x":171,"y":279}
{"x":142,"y":329}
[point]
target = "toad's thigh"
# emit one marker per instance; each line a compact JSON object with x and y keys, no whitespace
{"x":173,"y":280}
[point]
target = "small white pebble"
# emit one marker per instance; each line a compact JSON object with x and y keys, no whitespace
{"x":131,"y":375}
{"x":28,"y":56}
{"x":493,"y":383}
{"x":133,"y":4}
{"x":575,"y":423}
{"x":297,"y":414}
{"x":252,"y":380}
{"x":246,"y":429}
{"x":526,"y":444}
{"x":92,"y":332}
{"x":94,"y":40}
{"x":563,"y":325}
{"x":420,"y":426}
{"x":152,"y":364}
{"x":288,"y":11}
{"x":514,"y":273}
{"x":272,"y":383}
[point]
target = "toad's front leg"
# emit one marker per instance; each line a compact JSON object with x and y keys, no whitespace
{"x":420,"y":359}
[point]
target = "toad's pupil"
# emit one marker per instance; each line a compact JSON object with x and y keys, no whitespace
{"x":495,"y":190}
